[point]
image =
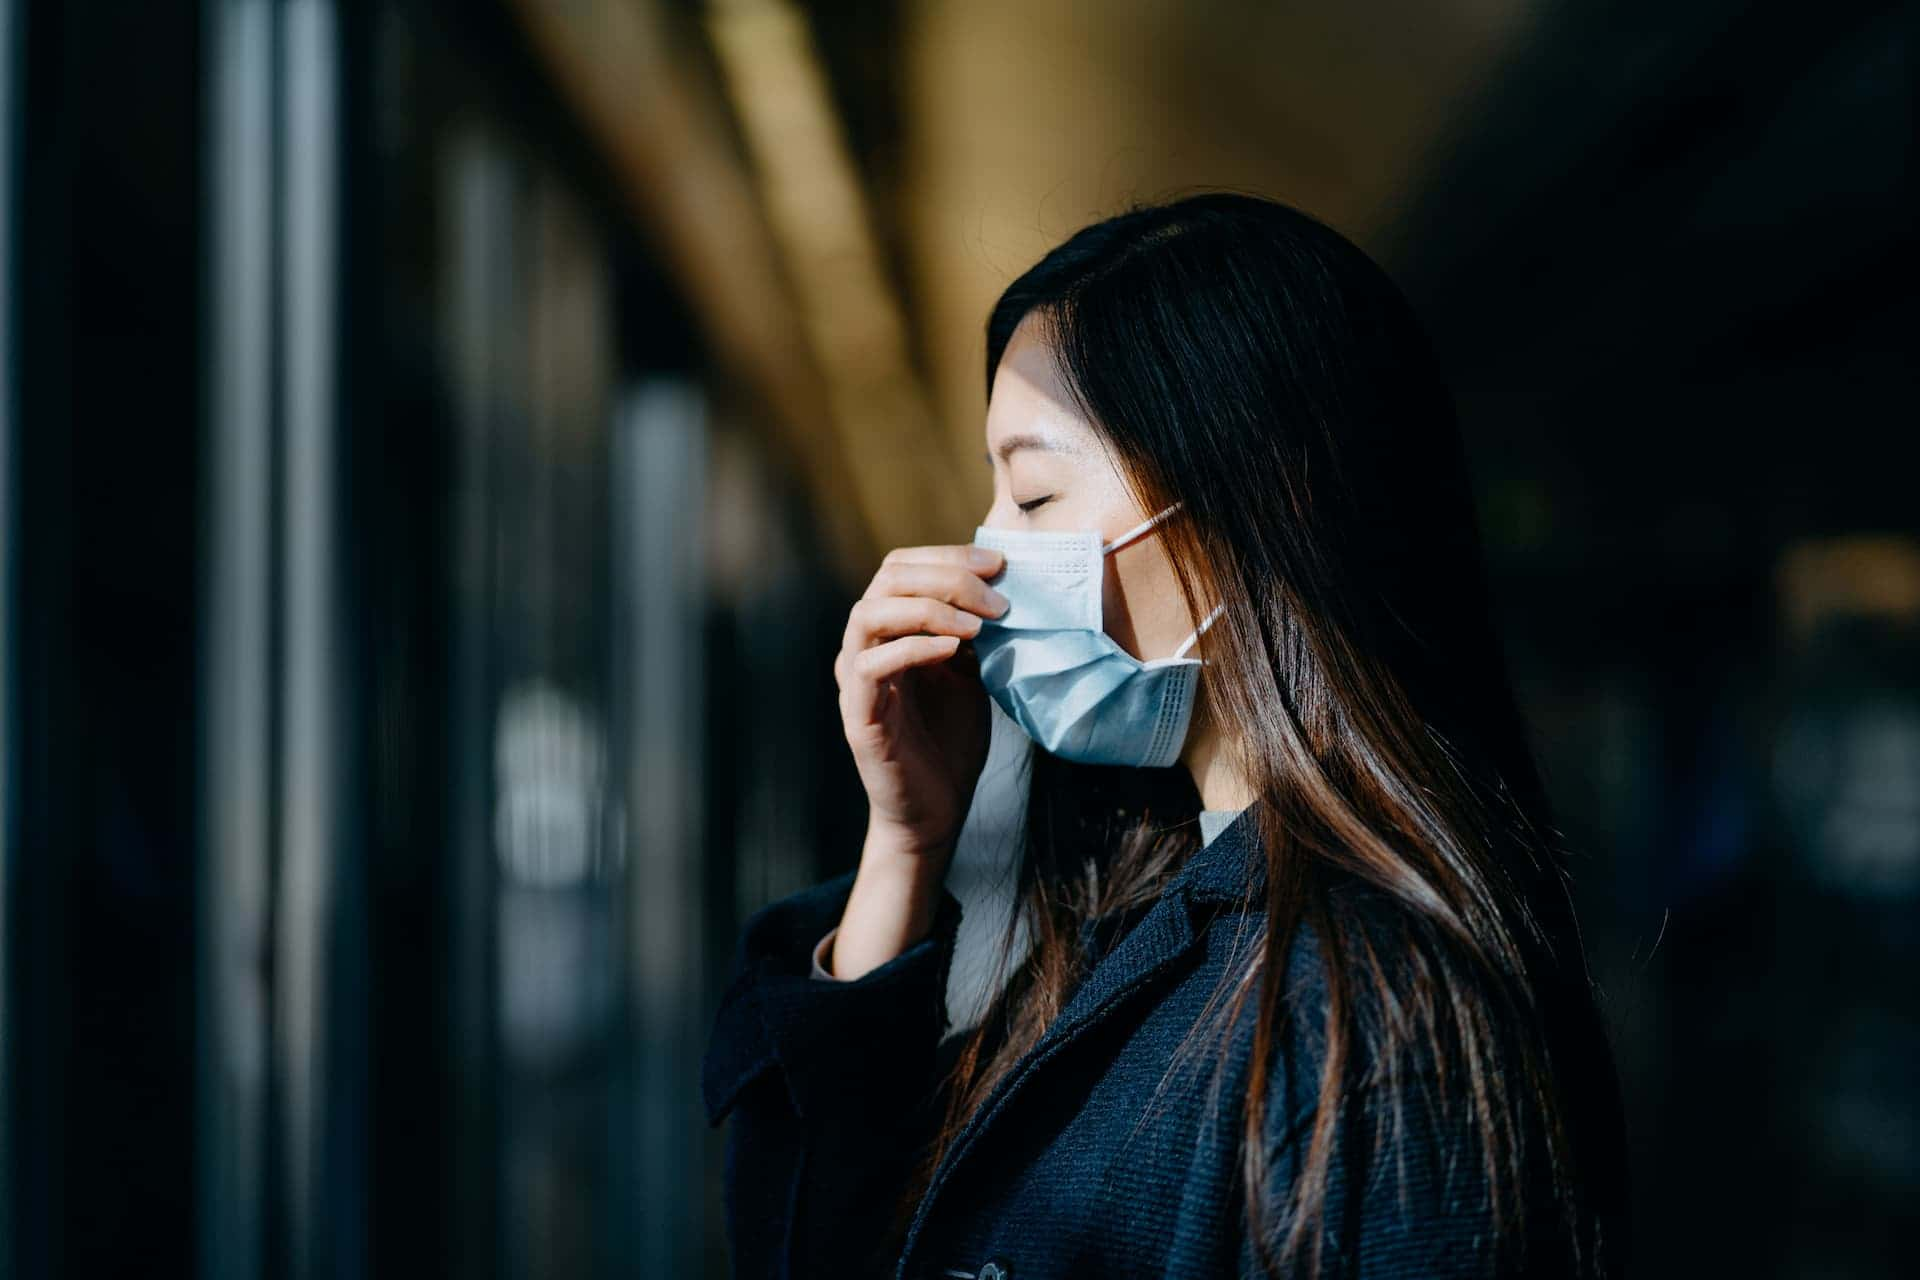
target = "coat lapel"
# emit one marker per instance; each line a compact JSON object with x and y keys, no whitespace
{"x":1217,"y":872}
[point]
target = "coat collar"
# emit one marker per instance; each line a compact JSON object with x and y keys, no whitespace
{"x":1221,"y":871}
{"x":1232,"y":867}
{"x":1225,"y":870}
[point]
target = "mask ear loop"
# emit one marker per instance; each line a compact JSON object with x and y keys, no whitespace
{"x":1189,"y":642}
{"x":1138,"y":530}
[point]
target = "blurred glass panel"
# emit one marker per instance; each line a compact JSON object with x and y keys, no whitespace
{"x":9,"y":112}
{"x":660,"y":473}
{"x":275,"y":907}
{"x":527,"y":311}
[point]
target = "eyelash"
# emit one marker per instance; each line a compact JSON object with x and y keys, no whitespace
{"x":1028,"y":506}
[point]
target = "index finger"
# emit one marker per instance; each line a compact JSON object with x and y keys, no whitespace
{"x":982,"y":560}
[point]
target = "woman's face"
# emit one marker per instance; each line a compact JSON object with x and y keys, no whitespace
{"x":1052,"y":470}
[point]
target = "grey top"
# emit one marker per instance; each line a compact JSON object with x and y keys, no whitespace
{"x":1212,"y":823}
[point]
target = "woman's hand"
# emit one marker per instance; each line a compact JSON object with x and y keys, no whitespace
{"x":911,"y":703}
{"x":917,"y":721}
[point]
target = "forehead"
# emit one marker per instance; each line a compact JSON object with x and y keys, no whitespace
{"x":1031,"y":405}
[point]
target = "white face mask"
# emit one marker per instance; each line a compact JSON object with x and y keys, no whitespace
{"x":1050,"y":664}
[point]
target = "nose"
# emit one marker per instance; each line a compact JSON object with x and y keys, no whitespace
{"x":1000,"y":515}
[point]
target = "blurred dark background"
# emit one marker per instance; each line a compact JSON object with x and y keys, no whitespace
{"x":439,"y":443}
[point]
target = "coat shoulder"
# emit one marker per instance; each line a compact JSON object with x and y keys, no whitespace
{"x":1409,"y":1166}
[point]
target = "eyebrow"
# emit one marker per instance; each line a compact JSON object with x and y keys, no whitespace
{"x":1028,"y":440}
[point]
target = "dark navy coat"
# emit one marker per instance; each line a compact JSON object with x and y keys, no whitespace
{"x":1072,"y":1167}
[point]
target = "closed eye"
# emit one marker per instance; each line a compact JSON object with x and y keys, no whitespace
{"x":1035,"y":502}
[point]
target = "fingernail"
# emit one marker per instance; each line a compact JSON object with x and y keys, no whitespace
{"x":998,"y":601}
{"x":982,"y":557}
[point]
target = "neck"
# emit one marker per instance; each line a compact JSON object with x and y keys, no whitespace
{"x":1215,"y":766}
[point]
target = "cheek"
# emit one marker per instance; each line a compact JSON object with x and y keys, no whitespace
{"x":1115,"y":614}
{"x":1140,"y":603}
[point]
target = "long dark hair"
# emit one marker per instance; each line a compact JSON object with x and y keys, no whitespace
{"x":1243,"y":358}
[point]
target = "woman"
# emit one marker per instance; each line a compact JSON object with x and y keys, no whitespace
{"x":1304,"y":993}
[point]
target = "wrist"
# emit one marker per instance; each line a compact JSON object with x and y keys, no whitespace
{"x":898,"y":886}
{"x":895,"y":896}
{"x":904,"y":857}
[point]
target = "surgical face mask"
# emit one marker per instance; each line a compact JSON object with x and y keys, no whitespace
{"x":1050,"y":664}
